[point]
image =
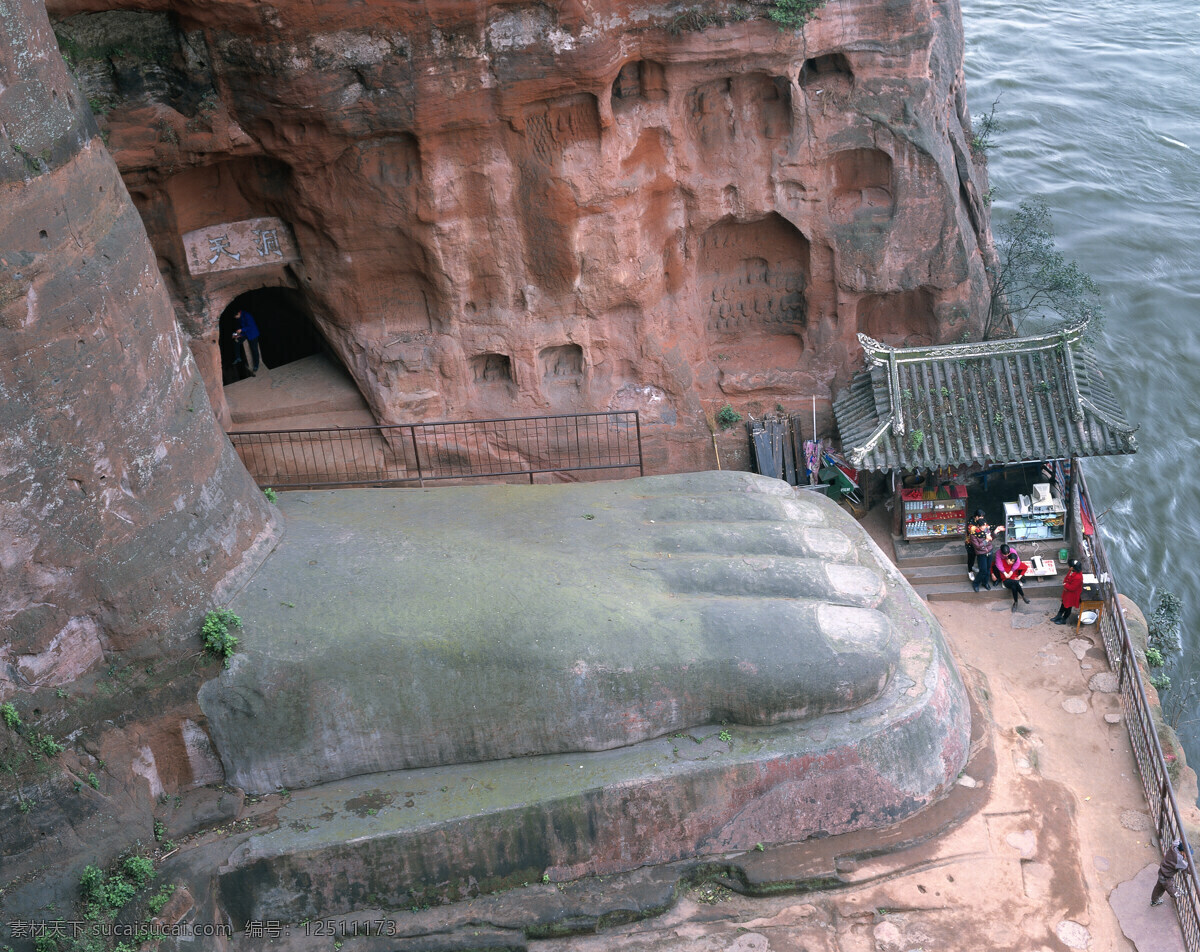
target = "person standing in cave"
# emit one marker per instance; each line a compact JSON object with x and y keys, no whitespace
{"x":246,"y":330}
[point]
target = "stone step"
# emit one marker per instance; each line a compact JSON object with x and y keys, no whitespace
{"x":945,"y":552}
{"x":919,"y":575}
{"x":1037,"y":590}
{"x":276,"y":397}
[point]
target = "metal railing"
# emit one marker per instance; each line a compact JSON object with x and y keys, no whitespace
{"x":417,"y":453}
{"x":1152,"y":765}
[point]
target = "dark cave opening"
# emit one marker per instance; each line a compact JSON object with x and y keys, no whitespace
{"x":286,"y":330}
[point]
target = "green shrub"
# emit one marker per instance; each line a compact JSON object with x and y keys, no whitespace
{"x":271,"y":495}
{"x":160,"y":899}
{"x":1165,"y":623}
{"x":218,"y":639}
{"x":117,"y":892}
{"x":793,"y":14}
{"x":139,"y":869}
{"x":727,"y":417}
{"x":91,"y":884}
{"x":49,"y":746}
{"x":10,"y":715}
{"x":1154,"y":657}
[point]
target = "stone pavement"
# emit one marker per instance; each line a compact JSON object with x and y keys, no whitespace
{"x":1149,"y":928}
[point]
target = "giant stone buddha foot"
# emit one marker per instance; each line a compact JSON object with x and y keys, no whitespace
{"x":434,"y":637}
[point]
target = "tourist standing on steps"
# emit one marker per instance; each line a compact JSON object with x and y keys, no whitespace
{"x":246,"y":330}
{"x":1072,"y":592}
{"x":1173,"y":861}
{"x":1009,"y":569}
{"x":981,"y":541}
{"x":979,"y":520}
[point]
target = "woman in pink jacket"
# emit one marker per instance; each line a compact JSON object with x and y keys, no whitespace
{"x":1009,"y":569}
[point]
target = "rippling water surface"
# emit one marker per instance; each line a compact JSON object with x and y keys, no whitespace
{"x":1100,"y":103}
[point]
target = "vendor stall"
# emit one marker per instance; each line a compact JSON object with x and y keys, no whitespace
{"x":991,"y":425}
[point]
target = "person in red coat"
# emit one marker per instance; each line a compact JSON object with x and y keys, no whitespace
{"x":1009,"y":569}
{"x":1072,"y":592}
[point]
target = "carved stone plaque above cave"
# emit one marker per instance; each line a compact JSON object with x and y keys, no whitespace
{"x":236,"y":245}
{"x":753,"y":276}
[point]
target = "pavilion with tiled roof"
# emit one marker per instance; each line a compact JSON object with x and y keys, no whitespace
{"x":998,"y":401}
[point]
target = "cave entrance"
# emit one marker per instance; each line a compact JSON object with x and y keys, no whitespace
{"x":300,"y":382}
{"x":286,"y":331}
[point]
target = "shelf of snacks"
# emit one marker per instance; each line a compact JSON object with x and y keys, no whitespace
{"x":934,"y":513}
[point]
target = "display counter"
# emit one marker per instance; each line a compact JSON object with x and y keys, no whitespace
{"x":1025,"y":521}
{"x":935,"y":513}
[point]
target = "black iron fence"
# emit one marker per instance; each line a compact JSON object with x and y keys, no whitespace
{"x":1152,"y":765}
{"x":604,"y":444}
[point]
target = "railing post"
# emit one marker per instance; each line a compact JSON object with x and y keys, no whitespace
{"x":637,"y":424}
{"x":416,"y":455}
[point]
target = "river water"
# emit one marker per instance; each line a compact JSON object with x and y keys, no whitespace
{"x":1100,"y":104}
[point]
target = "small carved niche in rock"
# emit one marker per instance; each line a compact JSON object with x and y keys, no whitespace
{"x":753,"y":277}
{"x":639,"y":80}
{"x":492,"y":369}
{"x":562,"y":364}
{"x":752,"y":107}
{"x":770,"y":97}
{"x":553,"y":126}
{"x":862,"y":182}
{"x":825,"y":70}
{"x":391,"y":166}
{"x":710,"y":113}
{"x":901,"y":318}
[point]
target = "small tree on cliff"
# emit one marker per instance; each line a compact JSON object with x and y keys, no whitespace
{"x":793,"y":14}
{"x":1034,"y":281}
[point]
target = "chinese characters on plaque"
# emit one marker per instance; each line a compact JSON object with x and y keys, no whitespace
{"x":239,"y":244}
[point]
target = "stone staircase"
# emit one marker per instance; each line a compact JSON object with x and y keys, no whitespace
{"x":937,"y":570}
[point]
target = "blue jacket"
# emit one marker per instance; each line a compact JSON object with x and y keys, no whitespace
{"x":249,"y":328}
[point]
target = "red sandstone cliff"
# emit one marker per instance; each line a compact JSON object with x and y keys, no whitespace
{"x":510,"y":209}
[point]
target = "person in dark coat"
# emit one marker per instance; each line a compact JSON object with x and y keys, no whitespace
{"x":1174,"y":861}
{"x":981,"y":542}
{"x":1072,"y":592}
{"x":247,"y":330}
{"x":978,"y":522}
